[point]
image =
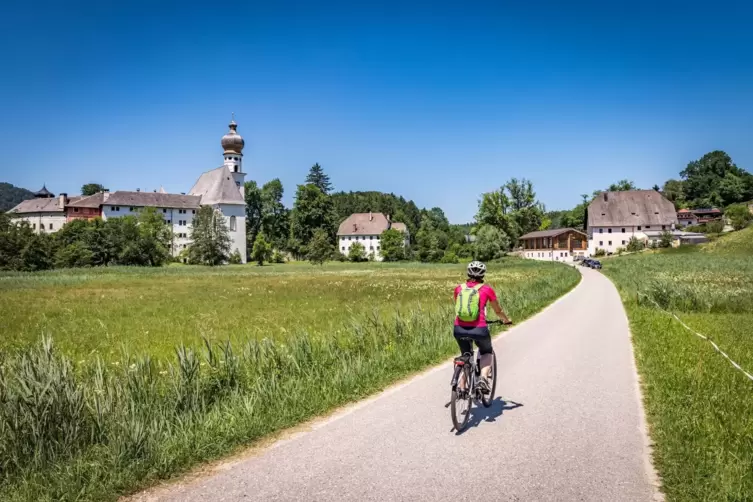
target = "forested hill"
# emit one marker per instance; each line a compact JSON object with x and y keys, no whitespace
{"x":11,"y":195}
{"x":347,"y":203}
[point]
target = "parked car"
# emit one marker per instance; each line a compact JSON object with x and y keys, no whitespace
{"x":595,"y":264}
{"x":586,"y":262}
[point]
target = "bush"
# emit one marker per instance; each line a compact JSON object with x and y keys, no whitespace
{"x":620,"y":250}
{"x":449,"y":257}
{"x":236,"y":258}
{"x":320,"y":248}
{"x":634,"y":245}
{"x":600,"y":252}
{"x":357,"y":253}
{"x":715,"y":227}
{"x":393,"y":245}
{"x":739,"y":216}
{"x":278,"y":257}
{"x":666,"y":239}
{"x":73,"y":255}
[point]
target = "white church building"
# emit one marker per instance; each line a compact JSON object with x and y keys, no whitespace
{"x":222,"y":188}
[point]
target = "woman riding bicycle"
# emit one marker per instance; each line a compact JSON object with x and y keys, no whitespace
{"x":471,"y":300}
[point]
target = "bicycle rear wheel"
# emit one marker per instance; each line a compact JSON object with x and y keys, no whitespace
{"x":460,"y":402}
{"x":487,"y":399}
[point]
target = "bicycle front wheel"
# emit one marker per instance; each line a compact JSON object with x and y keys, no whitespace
{"x":487,"y":399}
{"x":461,"y":400}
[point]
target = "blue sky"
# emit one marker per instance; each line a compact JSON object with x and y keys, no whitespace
{"x":436,"y":101}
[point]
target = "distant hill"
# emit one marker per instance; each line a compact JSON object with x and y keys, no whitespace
{"x":11,"y":195}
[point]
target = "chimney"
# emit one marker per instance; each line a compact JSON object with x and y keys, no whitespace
{"x":371,"y":217}
{"x":63,"y":198}
{"x":355,"y":228}
{"x":606,"y":196}
{"x":105,"y":196}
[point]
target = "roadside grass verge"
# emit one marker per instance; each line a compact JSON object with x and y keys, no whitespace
{"x":699,"y":407}
{"x":96,"y":428}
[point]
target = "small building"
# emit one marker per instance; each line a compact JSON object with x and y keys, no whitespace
{"x":616,"y":217}
{"x":686,"y":218}
{"x":562,"y":244}
{"x":678,"y":237}
{"x":45,"y":212}
{"x":689,"y":217}
{"x":85,"y":208}
{"x":367,"y":229}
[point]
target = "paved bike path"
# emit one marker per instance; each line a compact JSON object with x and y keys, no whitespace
{"x":566,"y":426}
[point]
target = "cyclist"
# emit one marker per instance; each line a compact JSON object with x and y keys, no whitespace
{"x":471,"y":299}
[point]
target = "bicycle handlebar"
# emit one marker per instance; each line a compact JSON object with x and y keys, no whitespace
{"x":499,"y":321}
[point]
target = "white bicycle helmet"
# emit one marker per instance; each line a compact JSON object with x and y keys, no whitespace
{"x":476,"y":270}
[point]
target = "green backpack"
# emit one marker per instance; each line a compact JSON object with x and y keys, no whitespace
{"x":468,"y":302}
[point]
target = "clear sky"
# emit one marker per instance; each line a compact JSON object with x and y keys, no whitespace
{"x":435,"y":101}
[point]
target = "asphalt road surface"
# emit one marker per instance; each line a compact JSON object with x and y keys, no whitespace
{"x":566,"y":425}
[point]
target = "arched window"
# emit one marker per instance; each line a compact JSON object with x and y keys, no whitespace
{"x":232,"y":223}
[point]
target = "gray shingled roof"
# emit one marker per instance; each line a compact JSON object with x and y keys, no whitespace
{"x":87,"y":201}
{"x":631,"y":208}
{"x":152,"y":199}
{"x":549,"y":233}
{"x":40,"y":205}
{"x":367,"y":224}
{"x":217,"y":187}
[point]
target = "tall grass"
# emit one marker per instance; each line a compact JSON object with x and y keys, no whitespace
{"x":699,"y":407}
{"x":95,"y":428}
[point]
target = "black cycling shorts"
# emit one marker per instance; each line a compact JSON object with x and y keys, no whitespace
{"x":480,"y":336}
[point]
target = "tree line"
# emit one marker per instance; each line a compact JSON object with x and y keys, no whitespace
{"x":309,"y":229}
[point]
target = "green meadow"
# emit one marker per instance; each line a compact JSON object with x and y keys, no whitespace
{"x":699,"y":407}
{"x":112,"y":379}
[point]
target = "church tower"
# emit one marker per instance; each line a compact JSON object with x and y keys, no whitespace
{"x":232,"y":144}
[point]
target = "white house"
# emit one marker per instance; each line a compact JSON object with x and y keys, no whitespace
{"x":367,"y":228}
{"x":44,"y":213}
{"x":615,"y":217}
{"x":222,"y":188}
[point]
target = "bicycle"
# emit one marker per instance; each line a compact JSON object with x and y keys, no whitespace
{"x":468,"y":366}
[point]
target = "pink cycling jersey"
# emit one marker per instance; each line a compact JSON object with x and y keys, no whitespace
{"x":485,"y":294}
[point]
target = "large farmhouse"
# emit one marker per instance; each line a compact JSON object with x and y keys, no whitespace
{"x":221,"y":188}
{"x":615,"y":217}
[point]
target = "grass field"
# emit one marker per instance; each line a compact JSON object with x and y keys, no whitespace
{"x":107,"y":404}
{"x":700,"y":408}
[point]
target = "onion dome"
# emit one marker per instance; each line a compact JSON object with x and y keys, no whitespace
{"x":44,"y":193}
{"x":233,"y":142}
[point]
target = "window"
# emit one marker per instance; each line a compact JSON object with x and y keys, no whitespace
{"x":648,"y":226}
{"x":623,"y":230}
{"x":610,"y":243}
{"x":235,"y":169}
{"x":601,"y":230}
{"x":350,"y":238}
{"x":193,"y":211}
{"x":623,"y":243}
{"x":377,"y":248}
{"x":164,"y":211}
{"x":601,"y":243}
{"x":663,"y":227}
{"x":371,"y":248}
{"x":639,"y":227}
{"x":130,"y":209}
{"x":33,"y":226}
{"x":232,"y":224}
{"x":609,"y":231}
{"x":343,"y":248}
{"x":75,"y":210}
{"x":50,"y":226}
{"x":371,"y":237}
